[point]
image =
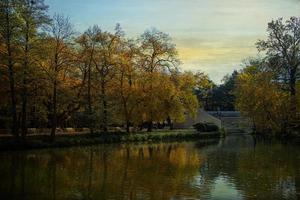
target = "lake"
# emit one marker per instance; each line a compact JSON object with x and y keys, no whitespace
{"x":234,"y":168}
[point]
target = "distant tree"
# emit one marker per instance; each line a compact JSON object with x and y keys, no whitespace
{"x":283,"y":51}
{"x":204,"y":89}
{"x":222,"y":97}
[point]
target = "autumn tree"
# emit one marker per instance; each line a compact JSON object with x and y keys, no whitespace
{"x":282,"y":48}
{"x":33,"y":16}
{"x":125,"y":87}
{"x":8,"y":35}
{"x":187,"y":103}
{"x":60,"y":32}
{"x":105,"y":60}
{"x":266,"y":108}
{"x":88,"y":42}
{"x":158,"y":55}
{"x":54,"y":79}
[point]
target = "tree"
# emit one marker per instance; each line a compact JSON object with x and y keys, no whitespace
{"x":33,"y":16}
{"x":88,"y":42}
{"x":8,"y":33}
{"x":158,"y":54}
{"x":106,"y":60}
{"x":204,"y":89}
{"x":283,"y":50}
{"x":223,"y":96}
{"x":125,"y":88}
{"x":60,"y":33}
{"x":266,"y":107}
{"x":185,"y":84}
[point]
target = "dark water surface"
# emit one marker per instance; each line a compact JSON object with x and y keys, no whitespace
{"x":234,"y":168}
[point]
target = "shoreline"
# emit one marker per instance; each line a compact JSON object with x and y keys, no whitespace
{"x":61,"y":141}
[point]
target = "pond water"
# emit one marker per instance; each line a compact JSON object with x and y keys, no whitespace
{"x":234,"y":168}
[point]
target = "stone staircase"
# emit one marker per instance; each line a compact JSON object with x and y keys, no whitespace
{"x":233,"y":122}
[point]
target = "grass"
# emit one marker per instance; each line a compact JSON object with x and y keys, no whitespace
{"x":36,"y":142}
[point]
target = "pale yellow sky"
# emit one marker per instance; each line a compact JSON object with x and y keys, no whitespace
{"x":211,"y":35}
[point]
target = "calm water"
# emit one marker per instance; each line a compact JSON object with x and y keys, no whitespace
{"x":235,"y":168}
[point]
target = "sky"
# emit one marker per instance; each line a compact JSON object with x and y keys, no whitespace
{"x":213,"y":36}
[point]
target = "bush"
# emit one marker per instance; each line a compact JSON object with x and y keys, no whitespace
{"x":205,"y":127}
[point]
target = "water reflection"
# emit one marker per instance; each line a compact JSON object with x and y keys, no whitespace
{"x":235,"y":168}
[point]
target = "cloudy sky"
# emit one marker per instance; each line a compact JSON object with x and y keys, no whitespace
{"x":211,"y":35}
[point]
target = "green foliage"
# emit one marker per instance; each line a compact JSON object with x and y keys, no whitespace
{"x":216,"y":97}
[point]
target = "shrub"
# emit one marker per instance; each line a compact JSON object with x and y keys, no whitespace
{"x":205,"y":127}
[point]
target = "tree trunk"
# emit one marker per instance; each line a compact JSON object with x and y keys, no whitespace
{"x":24,"y":87}
{"x":150,"y":126}
{"x":14,"y":127}
{"x":293,"y":92}
{"x":127,"y":126}
{"x":54,"y":111}
{"x":127,"y":118}
{"x":90,"y":111}
{"x":170,"y":123}
{"x":54,"y":97}
{"x":24,"y":111}
{"x":104,"y":104}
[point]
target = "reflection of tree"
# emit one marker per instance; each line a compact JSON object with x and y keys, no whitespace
{"x":264,"y":171}
{"x":154,"y":171}
{"x":53,"y":175}
{"x":268,"y":174}
{"x":104,"y":175}
{"x":90,"y":174}
{"x":157,"y":171}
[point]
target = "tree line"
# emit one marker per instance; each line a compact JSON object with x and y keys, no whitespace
{"x":53,"y":77}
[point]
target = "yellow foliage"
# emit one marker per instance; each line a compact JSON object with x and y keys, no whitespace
{"x":261,"y":99}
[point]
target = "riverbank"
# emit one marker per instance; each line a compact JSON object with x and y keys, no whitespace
{"x":283,"y":138}
{"x":42,"y":141}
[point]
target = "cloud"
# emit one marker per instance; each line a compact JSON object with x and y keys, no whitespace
{"x":215,"y":57}
{"x":211,"y":35}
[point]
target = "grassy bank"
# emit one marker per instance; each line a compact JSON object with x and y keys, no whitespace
{"x":35,"y":142}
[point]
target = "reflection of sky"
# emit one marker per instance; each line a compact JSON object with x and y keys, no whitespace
{"x":211,"y":35}
{"x":222,"y":189}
